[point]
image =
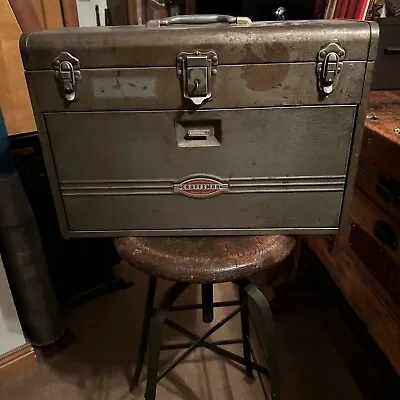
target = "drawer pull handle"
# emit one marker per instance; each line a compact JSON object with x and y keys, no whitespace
{"x":388,"y":189}
{"x":198,"y":134}
{"x":385,"y":234}
{"x":392,"y":50}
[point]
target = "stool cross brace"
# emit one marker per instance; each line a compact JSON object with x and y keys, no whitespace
{"x":155,"y":318}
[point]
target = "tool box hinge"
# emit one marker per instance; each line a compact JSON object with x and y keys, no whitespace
{"x":68,"y":74}
{"x":197,"y":72}
{"x":329,"y":67}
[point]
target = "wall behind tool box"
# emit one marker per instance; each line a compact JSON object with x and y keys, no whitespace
{"x":87,"y":13}
{"x":14,"y":97}
{"x":11,"y":335}
{"x":17,"y":16}
{"x":257,"y":9}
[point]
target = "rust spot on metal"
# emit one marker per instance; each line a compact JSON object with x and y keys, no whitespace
{"x":254,"y":76}
{"x":262,"y":52}
{"x":257,"y":79}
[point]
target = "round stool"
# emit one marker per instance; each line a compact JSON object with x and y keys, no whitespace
{"x":205,"y":261}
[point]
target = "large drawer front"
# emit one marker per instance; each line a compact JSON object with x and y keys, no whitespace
{"x":122,"y":146}
{"x":283,"y":168}
{"x":234,"y":211}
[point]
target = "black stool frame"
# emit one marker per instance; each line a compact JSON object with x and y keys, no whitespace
{"x":155,"y":318}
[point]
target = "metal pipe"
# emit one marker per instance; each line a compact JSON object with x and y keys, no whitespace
{"x":23,"y":257}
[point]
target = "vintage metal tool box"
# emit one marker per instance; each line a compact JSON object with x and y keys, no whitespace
{"x":198,"y":125}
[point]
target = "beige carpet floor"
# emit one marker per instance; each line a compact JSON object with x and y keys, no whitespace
{"x":98,"y":365}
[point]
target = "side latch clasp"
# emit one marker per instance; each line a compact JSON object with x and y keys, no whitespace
{"x":196,"y":71}
{"x":68,"y":74}
{"x":329,"y":67}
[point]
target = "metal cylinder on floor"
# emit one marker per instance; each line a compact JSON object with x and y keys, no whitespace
{"x":23,"y":257}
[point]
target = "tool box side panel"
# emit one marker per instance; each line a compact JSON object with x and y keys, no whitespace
{"x":356,"y":147}
{"x":359,"y":125}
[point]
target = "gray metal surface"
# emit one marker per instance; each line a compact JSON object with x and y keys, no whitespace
{"x":259,"y":85}
{"x":264,"y":211}
{"x":356,"y":147}
{"x":277,"y":153}
{"x":252,"y":144}
{"x":140,"y":46}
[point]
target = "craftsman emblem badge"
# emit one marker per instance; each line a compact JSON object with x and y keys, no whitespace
{"x":200,"y":187}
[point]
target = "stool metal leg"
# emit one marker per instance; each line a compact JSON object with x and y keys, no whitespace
{"x":207,"y":294}
{"x":244,"y":316}
{"x":155,"y":335}
{"x":268,"y":334}
{"x":151,"y":292}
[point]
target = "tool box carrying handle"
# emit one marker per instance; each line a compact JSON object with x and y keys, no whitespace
{"x":199,"y":19}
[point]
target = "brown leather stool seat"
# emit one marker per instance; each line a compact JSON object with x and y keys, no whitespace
{"x":204,"y":259}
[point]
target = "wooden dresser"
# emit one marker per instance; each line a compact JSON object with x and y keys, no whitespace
{"x":364,"y":261}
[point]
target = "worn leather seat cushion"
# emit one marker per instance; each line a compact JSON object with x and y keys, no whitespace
{"x":204,"y":259}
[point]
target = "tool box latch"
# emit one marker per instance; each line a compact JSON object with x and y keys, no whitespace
{"x":67,"y":71}
{"x":197,"y":71}
{"x":330,"y":64}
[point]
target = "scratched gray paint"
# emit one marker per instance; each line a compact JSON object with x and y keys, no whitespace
{"x":259,"y":85}
{"x":282,"y":128}
{"x":124,"y":87}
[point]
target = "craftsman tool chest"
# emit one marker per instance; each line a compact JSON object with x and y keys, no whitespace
{"x":198,"y":125}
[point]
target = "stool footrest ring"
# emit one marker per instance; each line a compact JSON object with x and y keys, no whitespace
{"x":156,"y":318}
{"x":200,"y":306}
{"x":213,"y":346}
{"x":198,"y":342}
{"x":177,"y":346}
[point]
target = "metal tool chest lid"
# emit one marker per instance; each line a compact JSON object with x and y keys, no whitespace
{"x":146,"y":46}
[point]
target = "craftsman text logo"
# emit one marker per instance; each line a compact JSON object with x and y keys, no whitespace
{"x":201,"y":187}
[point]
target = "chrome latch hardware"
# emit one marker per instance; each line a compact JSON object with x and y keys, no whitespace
{"x":67,"y":71}
{"x":197,"y":72}
{"x":329,"y":67}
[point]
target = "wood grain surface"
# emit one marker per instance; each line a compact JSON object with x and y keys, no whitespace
{"x":70,"y":13}
{"x":384,"y":105}
{"x":14,"y":98}
{"x":366,"y":214}
{"x":374,"y":307}
{"x":29,"y":14}
{"x":375,"y":258}
{"x":378,"y":175}
{"x":16,"y":362}
{"x":205,"y":259}
{"x":52,"y":13}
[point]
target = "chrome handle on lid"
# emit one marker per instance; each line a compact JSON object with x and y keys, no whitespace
{"x":199,"y":19}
